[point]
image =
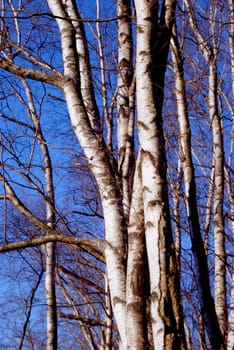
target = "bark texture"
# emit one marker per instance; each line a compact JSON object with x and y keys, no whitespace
{"x":153,"y":36}
{"x":142,"y":167}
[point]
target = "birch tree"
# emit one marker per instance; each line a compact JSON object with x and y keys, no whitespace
{"x":207,"y":304}
{"x":120,"y":180}
{"x":230,"y":342}
{"x":210,"y":54}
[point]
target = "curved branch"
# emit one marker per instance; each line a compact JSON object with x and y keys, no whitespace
{"x":11,"y":195}
{"x":92,"y":246}
{"x":30,"y":73}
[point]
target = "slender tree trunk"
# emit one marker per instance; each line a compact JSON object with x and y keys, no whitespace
{"x":106,"y":175}
{"x":51,"y":303}
{"x":85,"y":71}
{"x":208,"y":211}
{"x":230,"y":339}
{"x":108,"y":319}
{"x":177,"y":216}
{"x":137,"y":283}
{"x":209,"y":316}
{"x":219,"y":234}
{"x":51,"y":307}
{"x":231,"y":41}
{"x":153,"y":38}
{"x":188,"y":337}
{"x":126,"y":156}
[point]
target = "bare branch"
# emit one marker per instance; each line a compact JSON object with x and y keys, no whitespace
{"x":90,"y":322}
{"x":95,"y":246}
{"x":30,"y":73}
{"x":85,"y":20}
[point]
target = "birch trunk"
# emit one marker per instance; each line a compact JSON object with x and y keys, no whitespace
{"x":86,"y":85}
{"x":108,"y":319}
{"x":51,"y":303}
{"x":153,"y":38}
{"x":177,"y":216}
{"x":96,"y":153}
{"x":115,"y":227}
{"x":219,"y":234}
{"x":209,"y":316}
{"x":230,"y":338}
{"x":137,"y":283}
{"x":126,"y":157}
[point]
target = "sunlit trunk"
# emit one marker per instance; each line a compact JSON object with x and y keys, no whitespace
{"x":152,"y":38}
{"x":137,"y":282}
{"x":230,"y":338}
{"x":108,"y":319}
{"x":97,"y":156}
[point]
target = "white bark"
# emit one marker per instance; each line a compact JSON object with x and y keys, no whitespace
{"x":114,"y":223}
{"x":137,"y":283}
{"x":86,"y":87}
{"x":108,"y":319}
{"x":219,"y":234}
{"x":230,"y":338}
{"x":51,"y":303}
{"x":107,"y":118}
{"x":151,"y":180}
{"x":96,"y":154}
{"x":51,"y":309}
{"x":139,"y":211}
{"x":208,"y":211}
{"x":150,"y":70}
{"x":177,"y":216}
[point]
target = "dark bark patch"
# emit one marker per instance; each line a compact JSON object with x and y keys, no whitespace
{"x":149,"y":155}
{"x":146,"y":189}
{"x":143,"y":53}
{"x":137,"y":278}
{"x":140,"y":29}
{"x":141,"y":125}
{"x":154,"y":203}
{"x":149,"y":224}
{"x":117,"y":300}
{"x":135,"y":306}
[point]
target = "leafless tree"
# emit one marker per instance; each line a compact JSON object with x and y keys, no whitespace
{"x":118,"y":133}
